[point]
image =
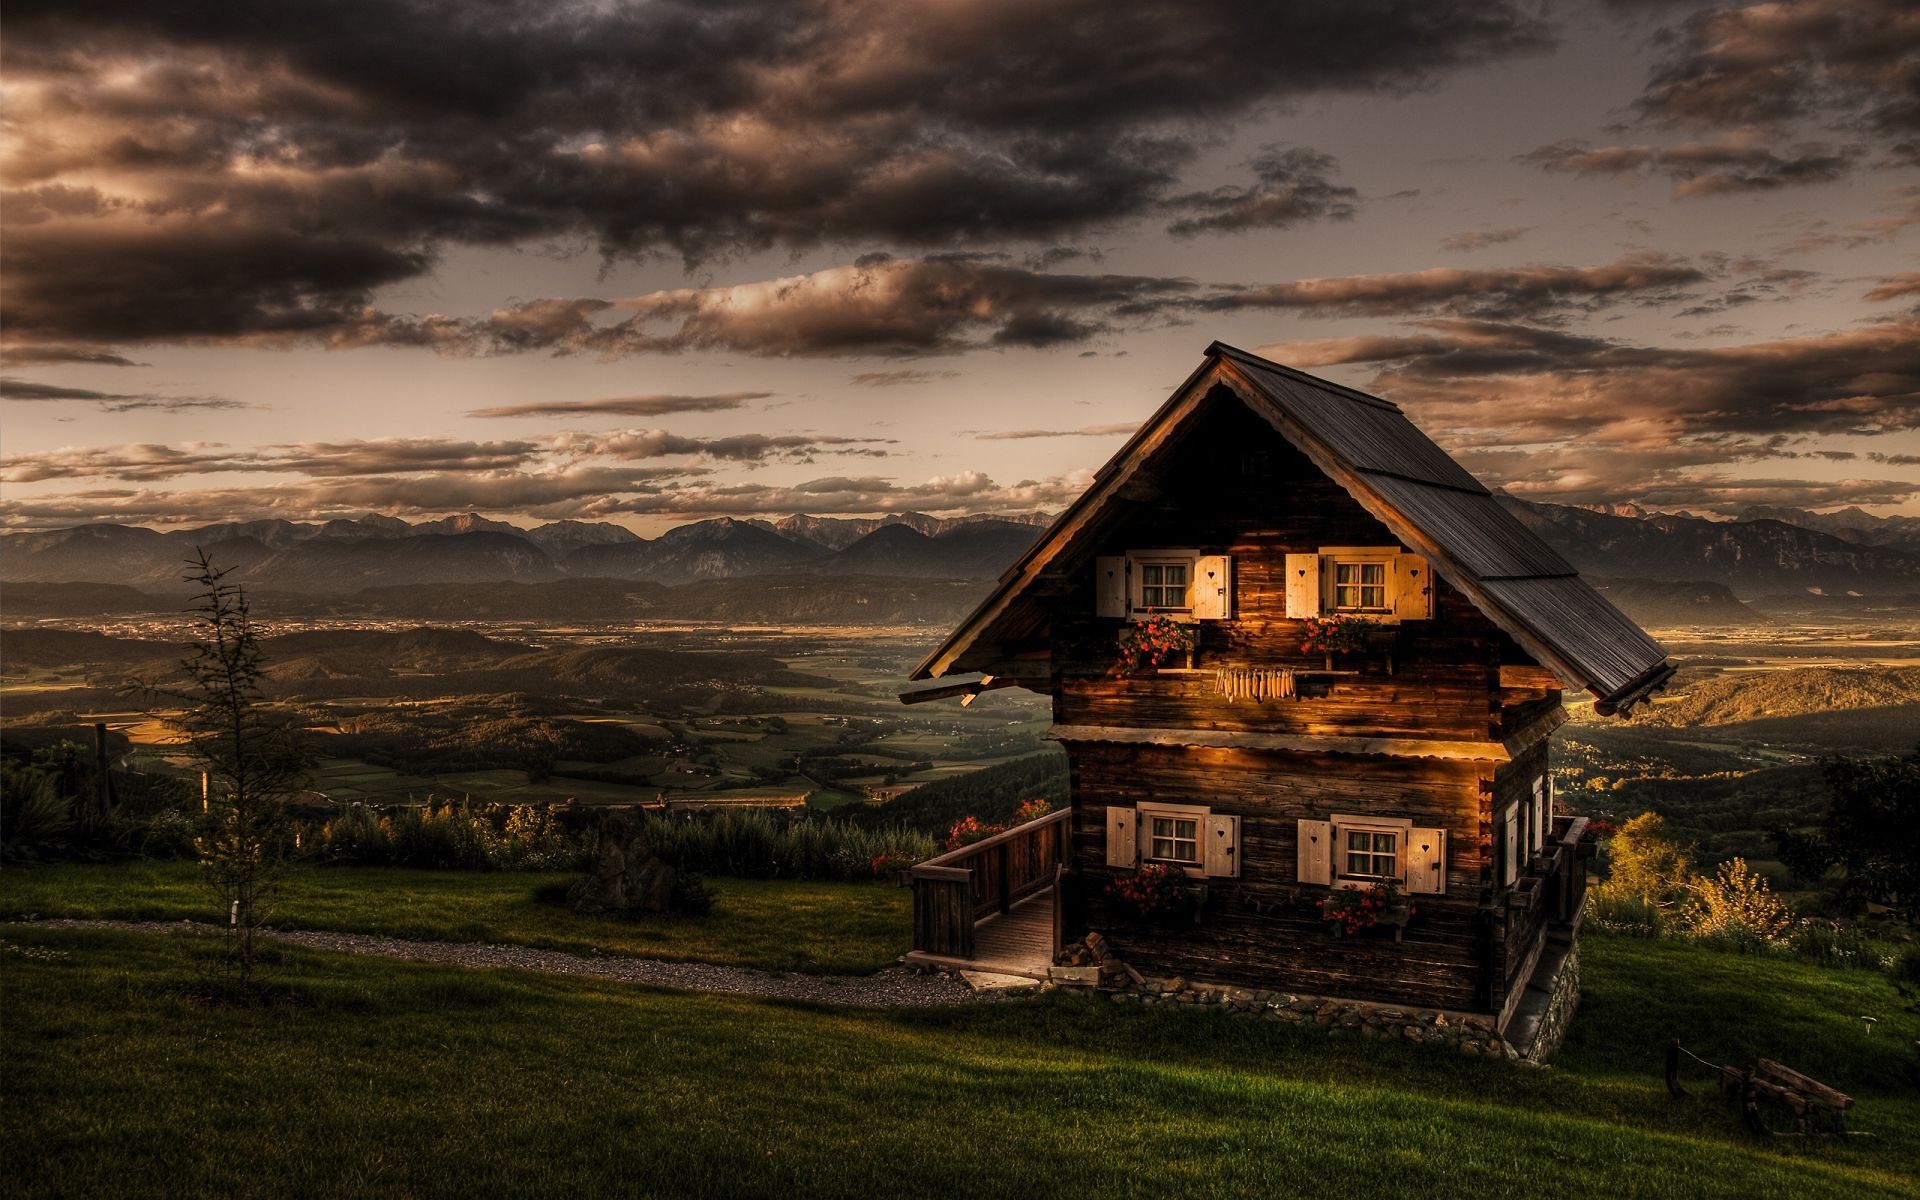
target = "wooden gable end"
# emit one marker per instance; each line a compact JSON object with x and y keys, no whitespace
{"x":1457,"y":533}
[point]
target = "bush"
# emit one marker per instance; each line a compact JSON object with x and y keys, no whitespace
{"x":1615,"y":910}
{"x":34,"y":818}
{"x":496,"y":837}
{"x":1831,"y":944}
{"x":762,"y":843}
{"x":168,"y":833}
{"x":1735,"y":904}
{"x":1906,"y":966}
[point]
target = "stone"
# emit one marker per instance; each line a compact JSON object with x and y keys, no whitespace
{"x":624,"y":876}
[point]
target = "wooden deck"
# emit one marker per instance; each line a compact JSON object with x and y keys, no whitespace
{"x":1017,"y":942}
{"x":990,"y":905}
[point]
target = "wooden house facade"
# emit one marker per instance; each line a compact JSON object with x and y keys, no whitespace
{"x":1268,"y":775}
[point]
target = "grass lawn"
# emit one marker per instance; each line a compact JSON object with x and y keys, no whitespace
{"x":819,"y":928}
{"x":387,"y":1079}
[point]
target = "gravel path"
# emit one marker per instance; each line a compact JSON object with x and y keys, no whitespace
{"x":895,"y":987}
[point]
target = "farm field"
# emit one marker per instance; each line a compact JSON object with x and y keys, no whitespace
{"x":396,"y":1079}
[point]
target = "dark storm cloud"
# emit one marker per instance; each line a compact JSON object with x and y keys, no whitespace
{"x":1540,"y":384}
{"x":1853,"y":65}
{"x":185,"y":174}
{"x":587,"y":492}
{"x":54,"y":356}
{"x":1290,"y":187}
{"x":1575,"y":417}
{"x":877,"y":306}
{"x":1897,"y":287}
{"x":33,"y":390}
{"x":944,"y":304}
{"x":1740,"y":163}
{"x":1477,"y":239}
{"x":624,"y":406}
{"x":1014,"y":435}
{"x":151,"y":462}
{"x":901,"y":378}
{"x":1498,"y":293}
{"x":631,"y":444}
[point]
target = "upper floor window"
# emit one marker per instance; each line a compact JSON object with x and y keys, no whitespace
{"x":1164,"y":584}
{"x":1174,"y":840}
{"x":1359,"y":585}
{"x":1187,"y":585}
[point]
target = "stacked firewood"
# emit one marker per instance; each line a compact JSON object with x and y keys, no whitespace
{"x":1091,"y":951}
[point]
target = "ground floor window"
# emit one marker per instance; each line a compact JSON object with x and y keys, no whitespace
{"x":1372,"y":854}
{"x":1175,"y":840}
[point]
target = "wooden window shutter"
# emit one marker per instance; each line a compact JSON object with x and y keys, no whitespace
{"x":1316,"y":852}
{"x":1427,"y":861}
{"x":1303,"y":586}
{"x":1510,"y":851}
{"x":1539,"y":814}
{"x":1122,"y":836}
{"x":1220,"y":857}
{"x":1412,"y":588}
{"x":1110,"y":585}
{"x":1212,"y":587}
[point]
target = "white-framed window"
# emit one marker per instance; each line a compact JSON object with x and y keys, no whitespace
{"x":1354,"y":851}
{"x":1186,"y":585}
{"x":1358,"y":580}
{"x":1173,"y":833}
{"x":1202,"y":843}
{"x":1370,"y":849}
{"x":1163,"y":585}
{"x":1383,"y":583}
{"x":1174,"y":839}
{"x":1371,"y":854}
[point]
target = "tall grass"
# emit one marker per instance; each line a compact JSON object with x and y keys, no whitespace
{"x":744,"y":843}
{"x":762,"y":843}
{"x":474,"y":837}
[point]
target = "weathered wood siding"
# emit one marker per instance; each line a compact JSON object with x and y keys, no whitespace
{"x":1234,"y":486}
{"x":1239,"y":488}
{"x":1263,"y":928}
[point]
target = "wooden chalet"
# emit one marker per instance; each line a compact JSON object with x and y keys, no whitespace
{"x":1256,"y":498}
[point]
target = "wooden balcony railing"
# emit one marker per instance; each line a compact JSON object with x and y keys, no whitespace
{"x":1565,"y":887}
{"x":953,"y":892}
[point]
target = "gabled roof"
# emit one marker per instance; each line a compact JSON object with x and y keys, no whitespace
{"x":1429,"y":501}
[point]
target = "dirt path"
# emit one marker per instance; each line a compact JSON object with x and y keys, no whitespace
{"x":895,"y":987}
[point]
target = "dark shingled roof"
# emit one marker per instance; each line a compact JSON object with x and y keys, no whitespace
{"x":1397,"y":473}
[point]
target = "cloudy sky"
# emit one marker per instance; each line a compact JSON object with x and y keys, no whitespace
{"x":648,"y":262}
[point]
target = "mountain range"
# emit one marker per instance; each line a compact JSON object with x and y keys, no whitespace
{"x":344,"y":556}
{"x":1766,"y":553}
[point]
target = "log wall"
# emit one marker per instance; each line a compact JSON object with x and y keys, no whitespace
{"x":1236,"y":487}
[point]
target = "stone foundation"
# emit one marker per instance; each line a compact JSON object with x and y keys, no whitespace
{"x":1563,"y":997}
{"x":1467,"y":1033}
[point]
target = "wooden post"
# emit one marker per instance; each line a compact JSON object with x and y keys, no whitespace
{"x":1004,"y":897}
{"x":102,"y":780}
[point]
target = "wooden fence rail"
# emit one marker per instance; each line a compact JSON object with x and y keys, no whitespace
{"x":954,"y":891}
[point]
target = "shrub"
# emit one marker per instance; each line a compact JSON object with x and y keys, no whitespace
{"x":1032,"y":810}
{"x":1906,"y":966}
{"x":761,"y":843}
{"x":1644,"y":862}
{"x":690,"y":897}
{"x":1736,"y":904}
{"x":168,"y":833}
{"x":968,"y":830}
{"x":1831,"y":944}
{"x":1613,"y":910}
{"x":1154,"y":888}
{"x":34,"y":819}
